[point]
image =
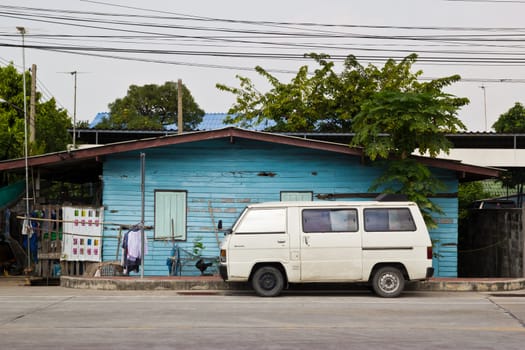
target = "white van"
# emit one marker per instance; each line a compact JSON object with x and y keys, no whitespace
{"x":274,"y":244}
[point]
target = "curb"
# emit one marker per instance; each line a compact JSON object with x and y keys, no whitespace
{"x":472,"y":285}
{"x":192,"y":284}
{"x":217,"y":284}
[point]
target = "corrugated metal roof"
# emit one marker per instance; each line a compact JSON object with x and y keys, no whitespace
{"x":98,"y":118}
{"x":215,"y":121}
{"x":210,"y":121}
{"x":496,"y":189}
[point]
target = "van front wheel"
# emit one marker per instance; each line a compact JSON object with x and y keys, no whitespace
{"x":268,"y":281}
{"x":388,"y":282}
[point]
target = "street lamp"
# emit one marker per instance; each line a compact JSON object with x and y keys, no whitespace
{"x":11,"y":105}
{"x":27,"y":224}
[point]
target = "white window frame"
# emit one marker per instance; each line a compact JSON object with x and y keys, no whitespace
{"x":170,"y":215}
{"x":295,"y":196}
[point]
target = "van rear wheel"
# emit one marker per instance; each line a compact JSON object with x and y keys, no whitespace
{"x":268,"y":281}
{"x":388,"y":282}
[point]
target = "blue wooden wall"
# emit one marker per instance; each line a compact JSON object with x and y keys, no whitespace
{"x":221,"y":178}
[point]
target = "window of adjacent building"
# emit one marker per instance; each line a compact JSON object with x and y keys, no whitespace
{"x":263,"y":221}
{"x":329,"y":220}
{"x":170,"y":215}
{"x":296,"y":196}
{"x":388,"y":219}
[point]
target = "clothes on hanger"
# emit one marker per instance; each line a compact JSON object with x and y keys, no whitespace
{"x":132,"y":250}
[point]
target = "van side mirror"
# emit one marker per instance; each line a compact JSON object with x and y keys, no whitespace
{"x":219,"y":225}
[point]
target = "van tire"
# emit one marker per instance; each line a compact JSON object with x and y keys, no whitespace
{"x":268,"y":281}
{"x":388,"y":282}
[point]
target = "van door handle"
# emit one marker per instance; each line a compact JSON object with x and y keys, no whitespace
{"x":281,"y":241}
{"x":306,"y":240}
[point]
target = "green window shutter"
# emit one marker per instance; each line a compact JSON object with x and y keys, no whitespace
{"x":296,"y":196}
{"x":170,"y":215}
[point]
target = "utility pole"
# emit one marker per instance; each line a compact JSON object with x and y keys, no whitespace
{"x":27,"y":223}
{"x":32,"y":126}
{"x":74,"y":111}
{"x":32,"y":108}
{"x":74,"y":73}
{"x":180,"y":124}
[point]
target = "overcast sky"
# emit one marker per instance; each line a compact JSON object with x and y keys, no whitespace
{"x":209,"y":42}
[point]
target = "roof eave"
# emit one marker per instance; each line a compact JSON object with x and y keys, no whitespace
{"x":228,"y":132}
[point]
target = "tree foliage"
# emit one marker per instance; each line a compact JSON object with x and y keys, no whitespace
{"x":514,"y":178}
{"x":414,"y":180}
{"x":51,"y":127}
{"x":152,"y":107}
{"x":390,"y":111}
{"x":469,"y":192}
{"x":323,"y":101}
{"x":418,"y":119}
{"x":51,"y":123}
{"x":512,"y":121}
{"x":303,"y":104}
{"x":401,"y":119}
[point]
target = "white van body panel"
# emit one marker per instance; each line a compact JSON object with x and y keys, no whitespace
{"x":251,"y":246}
{"x":335,"y":255}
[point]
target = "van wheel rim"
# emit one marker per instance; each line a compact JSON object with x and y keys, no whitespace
{"x":388,"y":282}
{"x":267,"y":281}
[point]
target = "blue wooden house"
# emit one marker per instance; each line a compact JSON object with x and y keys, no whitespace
{"x":193,"y":180}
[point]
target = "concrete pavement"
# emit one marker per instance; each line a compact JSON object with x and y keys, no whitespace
{"x":52,"y":318}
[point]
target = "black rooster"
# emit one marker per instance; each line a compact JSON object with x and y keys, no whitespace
{"x":202,"y":265}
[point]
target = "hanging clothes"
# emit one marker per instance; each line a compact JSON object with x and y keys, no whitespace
{"x":30,"y":228}
{"x":132,"y":250}
{"x":173,"y":261}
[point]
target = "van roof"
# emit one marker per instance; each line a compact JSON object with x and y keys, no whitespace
{"x":330,"y":204}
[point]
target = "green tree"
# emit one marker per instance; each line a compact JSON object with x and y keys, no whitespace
{"x":390,"y":111}
{"x":415,"y":118}
{"x":324,"y":101}
{"x":469,"y":192}
{"x":512,"y":121}
{"x":51,"y":127}
{"x":152,"y":107}
{"x":51,"y":123}
{"x":306,"y":103}
{"x":514,"y":178}
{"x":418,"y":119}
{"x":11,"y":114}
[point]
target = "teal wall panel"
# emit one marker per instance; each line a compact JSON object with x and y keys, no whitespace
{"x":221,"y":178}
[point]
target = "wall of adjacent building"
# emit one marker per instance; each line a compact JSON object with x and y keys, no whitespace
{"x":493,"y":244}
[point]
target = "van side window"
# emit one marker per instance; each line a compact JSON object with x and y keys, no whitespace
{"x":263,"y":221}
{"x":329,"y":220}
{"x":389,"y":219}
